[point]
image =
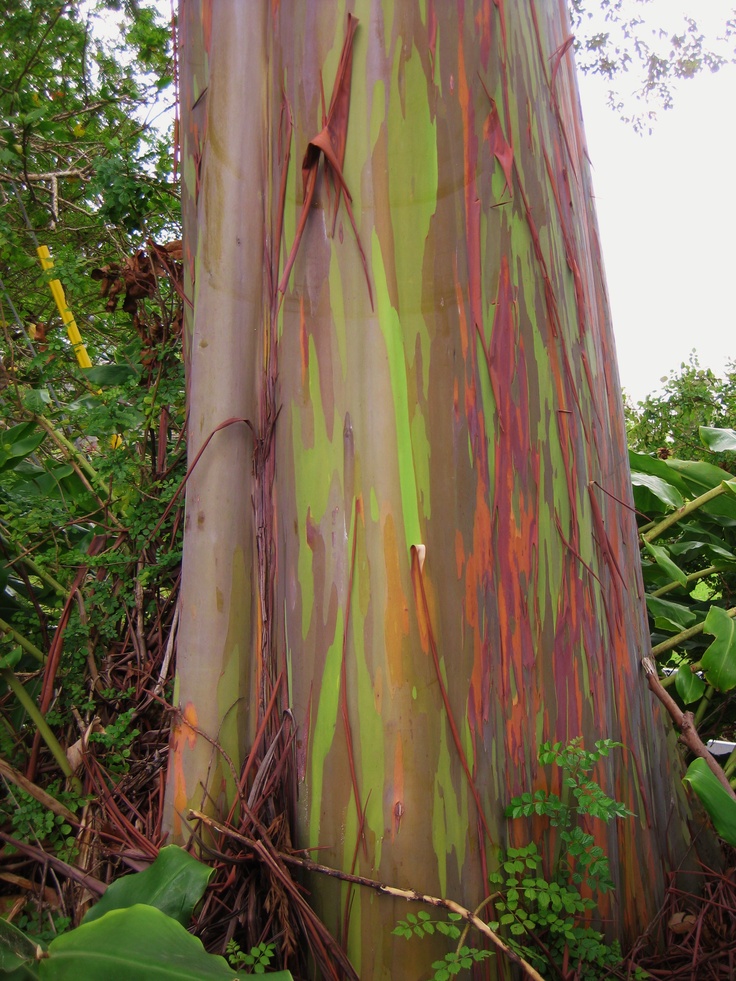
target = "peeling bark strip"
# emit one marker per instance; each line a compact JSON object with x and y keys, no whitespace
{"x":331,"y":142}
{"x":468,"y":401}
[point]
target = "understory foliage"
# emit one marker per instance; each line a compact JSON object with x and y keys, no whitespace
{"x":543,"y":899}
{"x":687,"y":516}
{"x":90,"y":458}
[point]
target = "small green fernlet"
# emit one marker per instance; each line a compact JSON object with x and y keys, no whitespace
{"x":543,"y":917}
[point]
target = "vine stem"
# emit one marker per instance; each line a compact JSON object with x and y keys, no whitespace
{"x":685,"y":722}
{"x":42,"y":727}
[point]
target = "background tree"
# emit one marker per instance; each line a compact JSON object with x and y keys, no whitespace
{"x":667,"y":423}
{"x":82,"y":167}
{"x":407,"y":510}
{"x":89,"y":458}
{"x":626,"y":43}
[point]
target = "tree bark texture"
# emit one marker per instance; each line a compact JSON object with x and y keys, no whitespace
{"x":426,"y":521}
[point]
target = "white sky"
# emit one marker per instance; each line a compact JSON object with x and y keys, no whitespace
{"x":666,"y":208}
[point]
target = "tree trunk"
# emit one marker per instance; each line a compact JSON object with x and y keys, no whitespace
{"x":426,"y":521}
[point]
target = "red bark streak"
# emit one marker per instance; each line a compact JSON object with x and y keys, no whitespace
{"x":422,"y":609}
{"x":330,"y":141}
{"x":498,"y":145}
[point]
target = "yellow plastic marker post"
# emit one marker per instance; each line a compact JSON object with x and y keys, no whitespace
{"x":66,"y":315}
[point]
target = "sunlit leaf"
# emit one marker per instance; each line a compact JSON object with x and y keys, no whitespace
{"x":719,"y":661}
{"x":661,"y":557}
{"x":714,"y":798}
{"x":689,"y":685}
{"x":663,"y":491}
{"x":718,"y":440}
{"x":10,"y":659}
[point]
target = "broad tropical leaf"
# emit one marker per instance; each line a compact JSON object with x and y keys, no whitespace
{"x":661,"y":557}
{"x":719,"y":661}
{"x":689,"y":685}
{"x":718,"y":440}
{"x":17,"y":951}
{"x":662,"y":491}
{"x":669,"y":616}
{"x":174,"y":883}
{"x":132,"y":944}
{"x":713,"y":797}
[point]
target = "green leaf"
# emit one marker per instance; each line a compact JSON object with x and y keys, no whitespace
{"x":132,"y":944}
{"x":670,"y":616}
{"x":664,"y":492}
{"x":689,"y":686}
{"x":703,"y":477}
{"x":714,"y":798}
{"x":17,"y":950}
{"x":174,"y":884}
{"x":718,"y":440}
{"x":719,"y":661}
{"x":644,"y":463}
{"x":660,"y":556}
{"x":110,"y":374}
{"x":19,"y":442}
{"x":10,"y":659}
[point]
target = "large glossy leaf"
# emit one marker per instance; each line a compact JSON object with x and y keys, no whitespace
{"x":18,"y":953}
{"x":131,"y":945}
{"x":718,"y":440}
{"x":110,"y":374}
{"x":690,"y":686}
{"x":174,"y":883}
{"x":661,"y":557}
{"x":19,"y":442}
{"x":642,"y":463}
{"x":720,"y":806}
{"x":702,"y":477}
{"x":710,"y":553}
{"x":719,"y":661}
{"x":669,"y":616}
{"x":664,"y":492}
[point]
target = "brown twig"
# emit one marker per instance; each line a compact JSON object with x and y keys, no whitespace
{"x":684,"y":721}
{"x":262,"y":849}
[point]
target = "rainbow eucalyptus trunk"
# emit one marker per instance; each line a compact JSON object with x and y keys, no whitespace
{"x":425,"y":526}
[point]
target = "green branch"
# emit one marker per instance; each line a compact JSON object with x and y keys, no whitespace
{"x":693,"y":577}
{"x":683,"y":512}
{"x":42,"y":726}
{"x":23,"y":642}
{"x":684,"y":635}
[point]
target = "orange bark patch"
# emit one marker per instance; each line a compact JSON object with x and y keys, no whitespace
{"x":184,"y":734}
{"x":459,"y":553}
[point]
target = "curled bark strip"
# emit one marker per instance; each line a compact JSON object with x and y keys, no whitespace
{"x":684,"y":721}
{"x":331,"y":142}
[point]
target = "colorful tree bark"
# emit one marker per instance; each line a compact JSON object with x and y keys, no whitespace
{"x":435,"y":539}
